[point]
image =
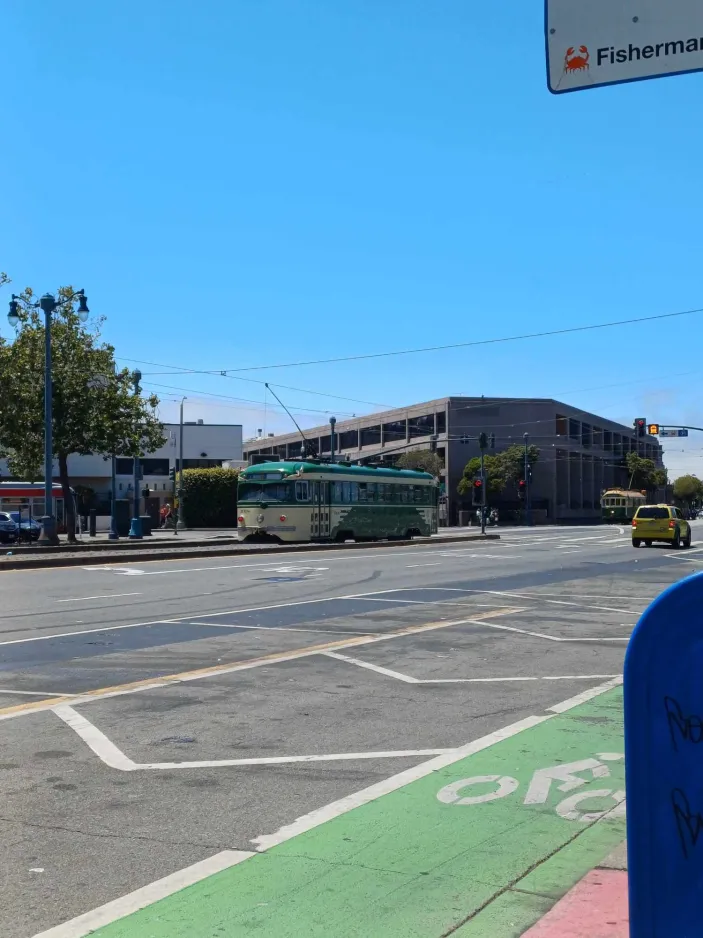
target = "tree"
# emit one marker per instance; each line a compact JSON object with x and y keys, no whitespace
{"x":503,"y":470}
{"x":688,"y":489}
{"x":89,"y":416}
{"x":424,"y":460}
{"x":644,"y":473}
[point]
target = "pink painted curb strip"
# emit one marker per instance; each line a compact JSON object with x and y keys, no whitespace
{"x":595,"y":908}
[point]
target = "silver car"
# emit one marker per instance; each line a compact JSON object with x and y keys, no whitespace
{"x":8,"y":529}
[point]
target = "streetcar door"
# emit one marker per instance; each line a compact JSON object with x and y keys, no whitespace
{"x":321,"y":510}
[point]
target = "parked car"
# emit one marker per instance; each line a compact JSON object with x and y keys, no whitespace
{"x":28,"y":528}
{"x":9,"y":531}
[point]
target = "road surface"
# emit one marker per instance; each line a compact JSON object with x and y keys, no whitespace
{"x":185,"y":715}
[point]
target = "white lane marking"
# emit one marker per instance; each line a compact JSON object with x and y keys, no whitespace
{"x":282,"y":628}
{"x":113,"y":757}
{"x":437,"y":563}
{"x":106,"y":750}
{"x":584,"y":696}
{"x":139,"y":899}
{"x":33,"y":693}
{"x":517,"y":595}
{"x":408,"y":679}
{"x":84,"y":924}
{"x":576,"y":551}
{"x":83,"y":599}
{"x":373,"y":667}
{"x":121,"y":570}
{"x":204,"y":615}
{"x":354,"y":642}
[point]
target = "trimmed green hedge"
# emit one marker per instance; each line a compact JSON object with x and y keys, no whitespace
{"x":210,"y":498}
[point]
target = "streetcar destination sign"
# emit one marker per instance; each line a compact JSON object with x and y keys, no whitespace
{"x":601,"y":42}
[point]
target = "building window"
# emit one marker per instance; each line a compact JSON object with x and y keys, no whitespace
{"x":394,"y":432}
{"x":201,"y":463}
{"x":442,"y":422}
{"x":421,"y":426}
{"x":349,"y":439}
{"x":124,"y":467}
{"x":562,"y":426}
{"x":155,"y":467}
{"x":371,"y":436}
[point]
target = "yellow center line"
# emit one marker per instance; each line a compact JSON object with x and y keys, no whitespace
{"x":194,"y":675}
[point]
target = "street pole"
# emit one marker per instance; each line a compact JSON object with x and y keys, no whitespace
{"x":180,"y":523}
{"x":48,"y":522}
{"x":526,"y":438}
{"x":483,"y":495}
{"x":113,"y":535}
{"x":135,"y":530}
{"x":333,"y":421}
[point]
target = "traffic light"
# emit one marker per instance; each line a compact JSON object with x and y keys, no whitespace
{"x":478,"y":492}
{"x":483,"y":441}
{"x":640,"y":426}
{"x":492,"y":441}
{"x":172,"y":474}
{"x":653,"y":429}
{"x":521,"y":488}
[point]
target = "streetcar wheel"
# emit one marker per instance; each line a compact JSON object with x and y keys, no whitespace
{"x":636,"y":542}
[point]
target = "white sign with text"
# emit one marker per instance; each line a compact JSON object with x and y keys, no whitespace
{"x":605,"y":42}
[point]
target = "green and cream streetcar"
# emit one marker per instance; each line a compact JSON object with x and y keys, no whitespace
{"x":620,"y":504}
{"x":312,"y":500}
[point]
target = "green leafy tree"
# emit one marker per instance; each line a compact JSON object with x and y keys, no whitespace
{"x":95,"y":409}
{"x":644,"y":474}
{"x":210,"y":497}
{"x":688,"y":489}
{"x":424,"y":460}
{"x":503,"y":470}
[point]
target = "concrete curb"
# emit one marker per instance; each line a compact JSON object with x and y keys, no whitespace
{"x":125,"y":555}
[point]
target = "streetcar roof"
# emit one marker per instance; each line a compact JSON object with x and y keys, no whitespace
{"x":289,"y":468}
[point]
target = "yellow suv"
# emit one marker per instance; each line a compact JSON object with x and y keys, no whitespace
{"x":660,"y":523}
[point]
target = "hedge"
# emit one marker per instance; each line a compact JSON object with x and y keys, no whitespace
{"x":210,"y":498}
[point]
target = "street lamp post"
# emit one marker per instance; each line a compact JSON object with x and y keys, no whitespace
{"x":101,"y":382}
{"x":135,"y":528}
{"x":180,"y":523}
{"x":528,"y":519}
{"x":48,"y":304}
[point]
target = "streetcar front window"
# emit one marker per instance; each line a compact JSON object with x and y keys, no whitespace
{"x":266,"y":492}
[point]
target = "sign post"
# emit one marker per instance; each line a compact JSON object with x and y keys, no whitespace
{"x":663,"y":694}
{"x":602,"y":42}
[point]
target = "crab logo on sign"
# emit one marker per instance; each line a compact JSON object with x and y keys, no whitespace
{"x":576,"y":61}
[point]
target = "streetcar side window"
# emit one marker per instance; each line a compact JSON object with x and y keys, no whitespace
{"x":302,"y":491}
{"x":363,"y":492}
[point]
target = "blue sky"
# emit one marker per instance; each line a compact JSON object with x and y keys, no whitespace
{"x":248,"y":182}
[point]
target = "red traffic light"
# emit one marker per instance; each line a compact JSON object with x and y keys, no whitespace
{"x":477,"y":483}
{"x":522,"y":485}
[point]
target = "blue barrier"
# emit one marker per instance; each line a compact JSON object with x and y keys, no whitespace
{"x":663,"y":699}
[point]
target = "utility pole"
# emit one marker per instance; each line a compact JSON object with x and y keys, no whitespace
{"x":180,"y":523}
{"x":528,"y":520}
{"x":135,"y":529}
{"x":333,"y":421}
{"x":483,"y":443}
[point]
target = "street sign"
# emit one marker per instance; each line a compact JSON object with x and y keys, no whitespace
{"x":605,"y":43}
{"x":672,"y":431}
{"x":663,"y":764}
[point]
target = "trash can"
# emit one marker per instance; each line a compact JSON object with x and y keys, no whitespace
{"x":146,"y":525}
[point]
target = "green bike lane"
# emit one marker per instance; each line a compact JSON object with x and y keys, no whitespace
{"x":482,"y":842}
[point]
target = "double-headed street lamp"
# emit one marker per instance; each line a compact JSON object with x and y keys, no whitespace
{"x":48,"y":304}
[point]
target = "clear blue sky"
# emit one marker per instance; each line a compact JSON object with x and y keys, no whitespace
{"x":246,"y":182}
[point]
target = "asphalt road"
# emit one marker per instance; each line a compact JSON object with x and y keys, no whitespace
{"x":153,"y":715}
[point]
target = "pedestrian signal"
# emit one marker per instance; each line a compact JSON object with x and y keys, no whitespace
{"x":653,"y":429}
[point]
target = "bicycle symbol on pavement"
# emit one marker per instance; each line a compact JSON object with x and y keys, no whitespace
{"x":540,"y":788}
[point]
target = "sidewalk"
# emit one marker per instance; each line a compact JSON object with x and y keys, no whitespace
{"x":595,"y":908}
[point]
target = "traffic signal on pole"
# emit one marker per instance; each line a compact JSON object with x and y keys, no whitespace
{"x":640,"y":426}
{"x":483,"y":441}
{"x":521,"y":488}
{"x":478,"y":492}
{"x":653,"y":429}
{"x":172,"y":474}
{"x":493,"y":441}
